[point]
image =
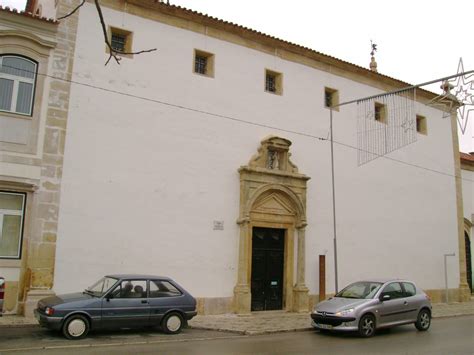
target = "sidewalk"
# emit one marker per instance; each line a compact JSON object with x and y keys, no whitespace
{"x":262,"y":322}
{"x":279,"y":321}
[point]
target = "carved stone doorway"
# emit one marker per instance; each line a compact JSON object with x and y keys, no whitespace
{"x":273,"y":195}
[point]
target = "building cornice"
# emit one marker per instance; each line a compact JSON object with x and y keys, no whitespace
{"x":195,"y":21}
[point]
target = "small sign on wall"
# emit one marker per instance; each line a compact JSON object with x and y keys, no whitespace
{"x":218,"y":225}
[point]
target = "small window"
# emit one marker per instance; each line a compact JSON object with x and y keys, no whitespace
{"x":203,"y":63}
{"x":17,"y":84}
{"x":273,"y":82}
{"x":410,"y":289}
{"x":331,"y":97}
{"x":12,"y":210}
{"x":380,"y":112}
{"x":160,"y":288}
{"x":120,"y":40}
{"x":421,"y":125}
{"x":130,"y":289}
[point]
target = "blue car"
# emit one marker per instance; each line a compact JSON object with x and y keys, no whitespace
{"x":119,"y":301}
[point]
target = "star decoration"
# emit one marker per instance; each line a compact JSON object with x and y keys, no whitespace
{"x":463,"y":85}
{"x":464,"y":92}
{"x":463,"y":115}
{"x":445,"y":102}
{"x":459,"y":89}
{"x":408,"y":125}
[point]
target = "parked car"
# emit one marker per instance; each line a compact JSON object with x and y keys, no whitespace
{"x":119,"y":301}
{"x":365,"y":306}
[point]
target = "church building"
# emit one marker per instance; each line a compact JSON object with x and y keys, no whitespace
{"x":222,"y":157}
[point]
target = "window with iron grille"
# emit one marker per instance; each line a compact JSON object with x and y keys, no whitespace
{"x":273,"y":82}
{"x":121,"y":41}
{"x":200,"y":64}
{"x":270,"y":84}
{"x":331,"y":97}
{"x":421,"y":124}
{"x":380,"y":113}
{"x":118,"y":42}
{"x":203,"y":63}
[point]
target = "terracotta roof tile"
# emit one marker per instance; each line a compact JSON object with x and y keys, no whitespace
{"x":27,"y":14}
{"x":232,"y":27}
{"x":467,"y":158}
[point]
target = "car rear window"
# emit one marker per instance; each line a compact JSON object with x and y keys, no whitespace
{"x":160,"y":288}
{"x":410,"y":289}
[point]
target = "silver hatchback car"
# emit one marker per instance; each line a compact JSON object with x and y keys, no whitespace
{"x":365,"y":306}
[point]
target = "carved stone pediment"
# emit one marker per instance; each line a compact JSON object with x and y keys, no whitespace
{"x":273,"y":154}
{"x":273,"y":204}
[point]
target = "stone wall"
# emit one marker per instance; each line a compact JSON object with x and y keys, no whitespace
{"x":41,"y":249}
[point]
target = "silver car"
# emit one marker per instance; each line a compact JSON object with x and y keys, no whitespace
{"x":365,"y":306}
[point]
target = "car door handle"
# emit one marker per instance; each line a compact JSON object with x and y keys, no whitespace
{"x":405,"y":303}
{"x":144,"y":301}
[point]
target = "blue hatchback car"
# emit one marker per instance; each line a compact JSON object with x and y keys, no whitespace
{"x":119,"y":301}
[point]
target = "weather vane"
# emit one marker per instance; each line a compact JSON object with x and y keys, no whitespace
{"x":373,"y":63}
{"x":374,"y":48}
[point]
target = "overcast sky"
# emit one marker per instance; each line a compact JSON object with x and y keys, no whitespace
{"x":417,"y":40}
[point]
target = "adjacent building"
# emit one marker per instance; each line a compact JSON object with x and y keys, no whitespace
{"x":209,"y":160}
{"x":467,"y":174}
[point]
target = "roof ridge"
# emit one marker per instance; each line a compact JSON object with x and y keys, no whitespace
{"x":15,"y":11}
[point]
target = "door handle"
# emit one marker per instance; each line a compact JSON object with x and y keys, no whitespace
{"x":405,"y":303}
{"x":144,"y":301}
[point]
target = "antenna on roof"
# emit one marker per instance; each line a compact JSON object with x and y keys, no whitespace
{"x":373,"y":63}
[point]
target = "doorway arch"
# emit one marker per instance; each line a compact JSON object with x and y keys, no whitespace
{"x":273,"y":196}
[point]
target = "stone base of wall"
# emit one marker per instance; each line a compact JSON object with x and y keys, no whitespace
{"x":454,"y":295}
{"x":214,"y":305}
{"x":11,"y":296}
{"x":32,"y":299}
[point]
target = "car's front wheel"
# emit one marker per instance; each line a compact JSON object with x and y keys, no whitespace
{"x":423,"y":320}
{"x":367,"y":326}
{"x":172,"y":323}
{"x":76,"y":327}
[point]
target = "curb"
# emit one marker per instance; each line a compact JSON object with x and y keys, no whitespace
{"x":235,"y":331}
{"x":252,"y":332}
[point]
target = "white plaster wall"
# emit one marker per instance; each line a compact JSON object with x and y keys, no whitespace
{"x":143,"y":181}
{"x":48,"y":9}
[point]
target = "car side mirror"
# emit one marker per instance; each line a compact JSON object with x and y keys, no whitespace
{"x":385,"y":298}
{"x":108,"y":297}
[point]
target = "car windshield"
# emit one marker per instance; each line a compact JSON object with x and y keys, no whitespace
{"x":360,"y":290}
{"x":101,"y":287}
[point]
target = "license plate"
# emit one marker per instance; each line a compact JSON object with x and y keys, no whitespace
{"x":324,"y":326}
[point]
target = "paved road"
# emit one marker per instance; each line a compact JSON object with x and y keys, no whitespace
{"x":446,"y":336}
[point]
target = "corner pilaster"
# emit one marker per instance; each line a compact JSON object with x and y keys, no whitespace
{"x":242,"y":296}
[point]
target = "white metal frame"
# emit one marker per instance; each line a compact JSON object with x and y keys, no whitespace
{"x":21,"y":213}
{"x":16,"y":83}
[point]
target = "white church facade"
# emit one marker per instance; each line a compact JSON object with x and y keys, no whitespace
{"x":209,"y":161}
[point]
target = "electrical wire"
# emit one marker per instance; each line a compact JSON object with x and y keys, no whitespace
{"x":234,"y":119}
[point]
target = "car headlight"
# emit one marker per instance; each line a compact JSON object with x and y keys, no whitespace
{"x":49,"y":311}
{"x":344,"y":312}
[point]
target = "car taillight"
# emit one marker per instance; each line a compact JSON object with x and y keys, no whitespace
{"x":49,"y":311}
{"x":2,"y":294}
